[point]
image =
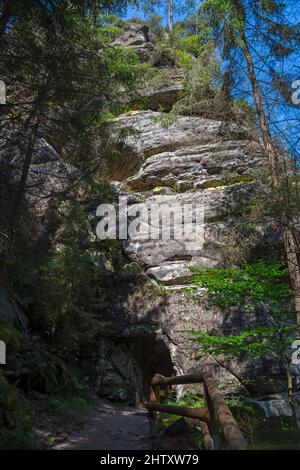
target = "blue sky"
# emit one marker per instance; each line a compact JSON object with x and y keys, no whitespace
{"x":285,"y":119}
{"x":180,"y":10}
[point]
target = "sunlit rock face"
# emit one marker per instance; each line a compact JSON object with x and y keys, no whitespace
{"x":191,"y":162}
{"x":48,"y":174}
{"x":135,"y":36}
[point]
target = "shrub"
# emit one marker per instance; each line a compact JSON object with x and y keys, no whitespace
{"x":16,"y":420}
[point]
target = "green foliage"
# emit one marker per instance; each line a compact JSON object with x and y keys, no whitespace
{"x":240,"y":405}
{"x":277,"y":433}
{"x":71,"y":73}
{"x":7,"y":393}
{"x":50,"y":375}
{"x":22,"y":267}
{"x":154,"y":23}
{"x":165,"y":119}
{"x":72,"y":287}
{"x":258,"y":282}
{"x":181,"y":48}
{"x":63,"y":407}
{"x":190,"y":399}
{"x":68,"y":78}
{"x":258,"y":285}
{"x":68,"y":286}
{"x":246,"y":415}
{"x":185,"y":59}
{"x":227,"y":180}
{"x":255,"y":342}
{"x":244,"y":111}
{"x":234,"y":25}
{"x":193,"y":45}
{"x":11,"y":336}
{"x":16,"y":420}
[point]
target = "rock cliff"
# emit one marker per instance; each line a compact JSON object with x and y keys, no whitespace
{"x":189,"y":162}
{"x":192,"y":160}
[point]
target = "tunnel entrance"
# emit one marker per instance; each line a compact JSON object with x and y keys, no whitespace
{"x":154,"y":358}
{"x":124,"y":368}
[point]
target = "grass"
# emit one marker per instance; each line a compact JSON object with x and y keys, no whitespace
{"x":277,"y":433}
{"x":190,"y":399}
{"x":63,"y":407}
{"x":194,"y":439}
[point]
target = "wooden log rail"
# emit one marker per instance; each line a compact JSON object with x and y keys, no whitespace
{"x":215,"y":411}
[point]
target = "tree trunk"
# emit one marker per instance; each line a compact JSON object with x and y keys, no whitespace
{"x":171,"y":15}
{"x":26,"y":167}
{"x":290,"y":388}
{"x":6,"y":16}
{"x":17,"y":205}
{"x":290,"y":241}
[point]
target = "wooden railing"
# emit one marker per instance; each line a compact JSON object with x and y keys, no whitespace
{"x":216,"y":411}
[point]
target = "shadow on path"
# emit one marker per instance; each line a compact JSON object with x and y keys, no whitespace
{"x":111,"y":427}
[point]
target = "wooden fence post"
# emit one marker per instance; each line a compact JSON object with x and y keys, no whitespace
{"x":212,"y":426}
{"x":208,"y":442}
{"x":224,"y":416}
{"x":153,"y":415}
{"x":216,"y":410}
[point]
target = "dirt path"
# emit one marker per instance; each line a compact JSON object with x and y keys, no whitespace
{"x":111,"y":427}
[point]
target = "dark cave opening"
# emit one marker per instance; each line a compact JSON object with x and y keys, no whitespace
{"x":154,"y":358}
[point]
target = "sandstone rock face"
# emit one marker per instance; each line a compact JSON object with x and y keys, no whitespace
{"x":197,"y":166}
{"x":162,"y":92}
{"x":152,"y":137}
{"x":163,"y":96}
{"x":192,"y":162}
{"x":48,"y":174}
{"x":120,"y":377}
{"x":157,"y":323}
{"x":135,"y":36}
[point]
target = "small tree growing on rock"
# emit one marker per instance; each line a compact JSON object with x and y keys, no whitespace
{"x":260,"y":285}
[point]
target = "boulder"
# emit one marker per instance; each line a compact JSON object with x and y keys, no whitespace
{"x":178,"y":428}
{"x":134,"y":35}
{"x":163,"y":91}
{"x":277,"y":405}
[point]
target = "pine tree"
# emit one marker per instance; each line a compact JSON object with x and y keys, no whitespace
{"x":65,"y":77}
{"x":232,"y":22}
